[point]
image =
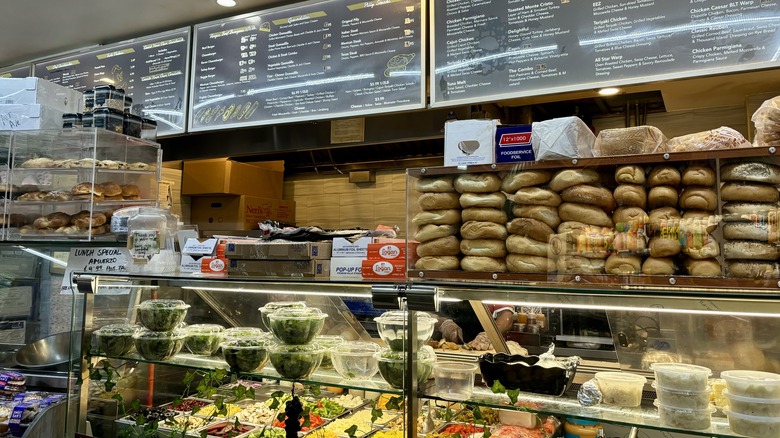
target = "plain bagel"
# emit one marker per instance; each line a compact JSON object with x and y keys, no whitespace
{"x":746,"y":231}
{"x":697,"y":220}
{"x":750,"y":250}
{"x":438,"y":263}
{"x":579,"y":265}
{"x":751,"y":171}
{"x":749,"y":192}
{"x":536,"y":196}
{"x":659,"y":266}
{"x":566,"y":178}
{"x":477,"y":183}
{"x":527,"y":264}
{"x":749,"y":211}
{"x":629,"y":218}
{"x":662,"y":196}
{"x":588,"y":214}
{"x":548,"y":215}
{"x":706,"y":249}
{"x":699,"y":198}
{"x":631,"y":195}
{"x":703,"y":268}
{"x":664,"y":176}
{"x":438,"y":201}
{"x":618,"y":264}
{"x":437,"y":217}
{"x":753,"y":269}
{"x":664,"y":247}
{"x":484,"y":215}
{"x":698,"y":176}
{"x":430,"y":232}
{"x":483,"y":230}
{"x":442,"y":184}
{"x":535,"y":229}
{"x":483,"y":248}
{"x":443,"y":246}
{"x":630,"y":174}
{"x":482,"y":264}
{"x":589,"y":194}
{"x":482,"y":200}
{"x":514,"y":181}
{"x":523,"y":245}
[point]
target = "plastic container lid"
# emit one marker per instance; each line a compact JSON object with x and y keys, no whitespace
{"x":619,"y":377}
{"x":425,"y":355}
{"x":709,"y":409}
{"x":205,"y":329}
{"x":247,"y":344}
{"x":117,"y":330}
{"x":150,"y":335}
{"x":681,"y":391}
{"x":748,"y":376}
{"x":456,"y":367}
{"x":745,"y":399}
{"x":752,"y":418}
{"x":244,"y":332}
{"x":309,"y":348}
{"x":681,"y":368}
{"x":399,"y":316}
{"x":274,"y":305}
{"x":163,"y":304}
{"x":355,"y":349}
{"x":327,"y":341}
{"x":582,"y":422}
{"x":298,"y":314}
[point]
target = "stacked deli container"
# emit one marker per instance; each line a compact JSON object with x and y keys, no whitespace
{"x":296,"y":355}
{"x":162,"y":339}
{"x":392,"y":327}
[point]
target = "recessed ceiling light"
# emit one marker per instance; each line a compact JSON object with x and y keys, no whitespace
{"x":226,"y":3}
{"x":609,"y":91}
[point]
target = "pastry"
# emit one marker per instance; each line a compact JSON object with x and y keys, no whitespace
{"x":57,"y":196}
{"x":53,"y":220}
{"x":38,"y":163}
{"x":139,"y":166}
{"x":32,"y":196}
{"x":110,"y":189}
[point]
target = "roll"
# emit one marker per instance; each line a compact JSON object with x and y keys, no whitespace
{"x":746,"y":231}
{"x":536,"y":196}
{"x":618,"y":264}
{"x":484,"y":215}
{"x":664,"y":247}
{"x":756,"y":171}
{"x":659,"y":266}
{"x":483,"y":230}
{"x":477,"y":183}
{"x":483,"y":248}
{"x":566,"y":178}
{"x":443,"y":246}
{"x":440,"y":184}
{"x":526,"y":264}
{"x":706,"y":249}
{"x":698,"y":220}
{"x":630,"y":174}
{"x":666,"y":217}
{"x":752,"y":269}
{"x":580,"y":265}
{"x":588,"y":214}
{"x":633,"y":243}
{"x":438,"y":263}
{"x":590,"y":194}
{"x":523,"y":245}
{"x":535,"y":229}
{"x":630,"y":195}
{"x":431,"y":232}
{"x":749,"y":192}
{"x":750,"y":250}
{"x":662,"y":196}
{"x":482,"y":264}
{"x":514,"y":181}
{"x":749,"y":211}
{"x":699,"y":198}
{"x":439,"y":201}
{"x":629,"y":218}
{"x":703,"y":268}
{"x":548,"y":215}
{"x":698,"y":176}
{"x":437,"y":217}
{"x":664,"y":175}
{"x":483,"y":200}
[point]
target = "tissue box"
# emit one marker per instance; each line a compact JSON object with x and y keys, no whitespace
{"x":469,"y":142}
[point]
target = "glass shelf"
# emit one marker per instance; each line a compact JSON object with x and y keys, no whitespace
{"x":320,"y":377}
{"x":76,"y":170}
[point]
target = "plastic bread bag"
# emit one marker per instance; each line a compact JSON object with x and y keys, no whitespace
{"x":721,"y":138}
{"x":767,"y":122}
{"x":565,"y":137}
{"x":629,"y":141}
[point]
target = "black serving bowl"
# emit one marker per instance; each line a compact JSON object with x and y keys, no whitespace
{"x":523,"y":373}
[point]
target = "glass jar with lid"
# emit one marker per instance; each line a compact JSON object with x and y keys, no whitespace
{"x":150,"y":241}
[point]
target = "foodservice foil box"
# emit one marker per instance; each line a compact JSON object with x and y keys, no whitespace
{"x":513,"y":144}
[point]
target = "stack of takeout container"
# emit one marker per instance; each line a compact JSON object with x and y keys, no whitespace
{"x":683,"y":395}
{"x":296,"y":355}
{"x":163,"y":337}
{"x":754,"y":402}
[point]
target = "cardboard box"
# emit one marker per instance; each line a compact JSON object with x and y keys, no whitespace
{"x":193,"y":252}
{"x":513,"y":144}
{"x":279,"y":251}
{"x":239,"y":212}
{"x":280,"y":268}
{"x":386,"y":251}
{"x":345,"y":248}
{"x":20,"y":117}
{"x":469,"y":142}
{"x":225,"y":176}
{"x":214,"y":265}
{"x":346,"y":268}
{"x":36,"y":91}
{"x":383,"y":269}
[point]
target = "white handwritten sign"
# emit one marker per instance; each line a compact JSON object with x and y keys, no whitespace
{"x":95,"y":261}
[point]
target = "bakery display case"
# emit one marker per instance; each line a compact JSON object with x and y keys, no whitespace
{"x":67,"y":183}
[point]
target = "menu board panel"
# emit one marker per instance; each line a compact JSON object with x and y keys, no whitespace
{"x":17,"y":71}
{"x":497,"y":49}
{"x":311,"y":61}
{"x":152,"y":70}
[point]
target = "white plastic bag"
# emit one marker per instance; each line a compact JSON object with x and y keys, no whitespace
{"x":767,"y":121}
{"x":565,"y":137}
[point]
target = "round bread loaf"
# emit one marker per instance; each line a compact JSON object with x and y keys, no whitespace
{"x":749,"y":192}
{"x":515,"y":181}
{"x":618,"y":264}
{"x":429,"y":232}
{"x":443,"y":246}
{"x":483,"y":248}
{"x":437,"y":217}
{"x":526,"y":264}
{"x":698,"y":176}
{"x":751,"y":171}
{"x":629,"y":218}
{"x":699,"y":198}
{"x":753,"y":269}
{"x":589,"y":194}
{"x":659,"y":266}
{"x":483,"y":200}
{"x":631,"y":195}
{"x":566,"y":178}
{"x":665,"y":216}
{"x":482,"y":264}
{"x":630,"y":174}
{"x":535,"y":229}
{"x":662,"y":196}
{"x":477,"y":183}
{"x":523,"y":245}
{"x":664,"y":175}
{"x":633,"y":243}
{"x":750,"y":250}
{"x":484,"y":215}
{"x":664,"y":247}
{"x":588,"y":214}
{"x":707,"y":248}
{"x":536,"y":196}
{"x":440,"y":184}
{"x":438,"y":263}
{"x":703,"y":268}
{"x":548,"y":215}
{"x":749,"y":211}
{"x":579,"y":265}
{"x":483,"y":230}
{"x":746,"y":231}
{"x":439,"y":201}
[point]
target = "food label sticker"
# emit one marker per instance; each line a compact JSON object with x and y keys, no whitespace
{"x":143,"y":245}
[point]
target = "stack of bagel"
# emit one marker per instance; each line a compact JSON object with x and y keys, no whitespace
{"x":536,"y":219}
{"x":663,"y":225}
{"x":484,"y":222}
{"x":699,"y":203}
{"x":630,"y":218}
{"x":438,"y":224}
{"x":750,"y":218}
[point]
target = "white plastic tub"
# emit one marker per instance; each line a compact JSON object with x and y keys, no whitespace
{"x":749,"y":425}
{"x":759,"y":407}
{"x":746,"y":383}
{"x":690,"y":419}
{"x":683,"y":377}
{"x":621,"y":389}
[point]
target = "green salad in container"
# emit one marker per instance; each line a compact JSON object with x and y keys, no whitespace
{"x":296,"y":361}
{"x":328,"y":342}
{"x":115,"y":339}
{"x":392,"y":366}
{"x":246,"y":355}
{"x":159,"y":346}
{"x":244,"y":332}
{"x":204,"y":339}
{"x":162,"y":315}
{"x":297,"y":326}
{"x":272,"y":307}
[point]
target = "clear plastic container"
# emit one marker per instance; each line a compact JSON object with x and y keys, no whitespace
{"x":107,"y":96}
{"x":328,"y":343}
{"x":87,"y":120}
{"x":681,"y":376}
{"x":691,"y":419}
{"x":115,"y":339}
{"x":128,"y":104}
{"x":296,"y":361}
{"x":149,"y":129}
{"x":454,"y":380}
{"x":392,"y":328}
{"x":355,"y":360}
{"x":245,"y":332}
{"x":749,"y":425}
{"x":162,"y":315}
{"x":204,"y":339}
{"x":392,"y":365}
{"x":748,"y":383}
{"x":246,"y":355}
{"x":760,"y":407}
{"x":273,"y":306}
{"x":297,"y":326}
{"x":159,"y":346}
{"x":131,"y":125}
{"x":150,"y":240}
{"x":682,"y":399}
{"x":71,"y":120}
{"x":88,"y":101}
{"x":621,"y":389}
{"x":108,"y":118}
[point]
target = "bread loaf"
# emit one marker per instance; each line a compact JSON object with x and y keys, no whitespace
{"x":437,"y":217}
{"x":438,"y":201}
{"x":749,"y":192}
{"x":662,"y":196}
{"x":483,"y":200}
{"x":664,"y":175}
{"x":482,"y":264}
{"x":477,"y":183}
{"x":618,"y":264}
{"x":589,"y":194}
{"x":441,"y":184}
{"x":666,"y":217}
{"x":664,"y":247}
{"x":705,"y":248}
{"x":699,"y":220}
{"x":630,"y":174}
{"x":566,"y":178}
{"x":756,"y":171}
{"x":631,"y":195}
{"x":483,"y":248}
{"x":514,"y":181}
{"x":536,"y":196}
{"x":443,"y":246}
{"x":484,"y":215}
{"x":523,"y":245}
{"x":431,"y":232}
{"x":532,"y":228}
{"x":438,"y":263}
{"x":746,"y":231}
{"x":699,"y":198}
{"x":629,"y":218}
{"x":703,"y":268}
{"x":698,"y":176}
{"x":580,"y":265}
{"x":483,"y":230}
{"x":750,"y":250}
{"x":629,"y":141}
{"x":548,"y":215}
{"x":526,"y":264}
{"x":633,"y":243}
{"x":588,"y":214}
{"x":749,"y":211}
{"x":752,"y":269}
{"x":659,"y":266}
